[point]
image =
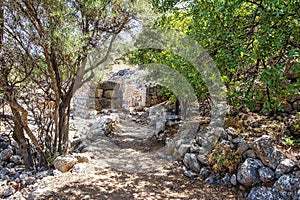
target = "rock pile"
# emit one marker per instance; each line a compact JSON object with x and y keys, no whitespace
{"x":263,"y":171}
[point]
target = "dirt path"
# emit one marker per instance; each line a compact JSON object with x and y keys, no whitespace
{"x":125,"y":166}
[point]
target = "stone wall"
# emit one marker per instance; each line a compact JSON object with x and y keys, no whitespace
{"x":116,"y":95}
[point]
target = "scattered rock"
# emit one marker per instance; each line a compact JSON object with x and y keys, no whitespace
{"x":16,"y":159}
{"x":248,"y":172}
{"x":288,"y":182}
{"x":64,"y":163}
{"x":233,"y":180}
{"x":9,"y":191}
{"x":263,"y":193}
{"x":204,"y":172}
{"x":190,"y":174}
{"x":57,"y":173}
{"x":242,"y":145}
{"x":265,"y":149}
{"x":266,"y":174}
{"x":202,"y":159}
{"x":103,"y":127}
{"x":82,"y":157}
{"x":190,"y":161}
{"x":183,"y":149}
{"x":79,"y":168}
{"x":249,"y":154}
{"x":6,"y":154}
{"x":284,"y":167}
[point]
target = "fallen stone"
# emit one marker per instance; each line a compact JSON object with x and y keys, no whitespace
{"x":64,"y":163}
{"x":57,"y":173}
{"x":248,"y":172}
{"x":6,"y":154}
{"x":190,"y":174}
{"x":263,"y":193}
{"x":266,"y":174}
{"x":288,"y":182}
{"x":249,"y":154}
{"x":233,"y":180}
{"x":285,"y":166}
{"x":190,"y":161}
{"x":183,"y":149}
{"x":266,"y":152}
{"x":242,"y":145}
{"x":204,"y":172}
{"x":16,"y":159}
{"x":79,"y":168}
{"x":202,"y":159}
{"x":82,"y":157}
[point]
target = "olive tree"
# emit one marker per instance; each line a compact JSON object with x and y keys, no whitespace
{"x":44,"y":46}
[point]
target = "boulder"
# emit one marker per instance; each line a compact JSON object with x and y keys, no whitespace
{"x":265,"y":150}
{"x":190,"y":161}
{"x":248,"y":172}
{"x":64,"y":163}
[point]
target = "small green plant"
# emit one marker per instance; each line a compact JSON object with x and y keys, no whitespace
{"x":289,"y":141}
{"x":223,"y":158}
{"x":50,"y":157}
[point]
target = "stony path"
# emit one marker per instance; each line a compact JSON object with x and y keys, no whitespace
{"x":124,"y":167}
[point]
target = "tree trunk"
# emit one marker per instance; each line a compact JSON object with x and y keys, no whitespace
{"x":19,"y":137}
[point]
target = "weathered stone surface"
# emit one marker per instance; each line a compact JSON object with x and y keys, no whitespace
{"x":4,"y":138}
{"x":288,"y":182}
{"x":6,"y":154}
{"x":57,"y":173}
{"x":64,"y":163}
{"x":218,"y":179}
{"x":285,"y":166}
{"x":233,"y":179}
{"x":108,"y":85}
{"x":248,"y":172}
{"x":249,"y":154}
{"x":100,"y":128}
{"x":16,"y":159}
{"x":183,"y":149}
{"x":108,"y":94}
{"x":190,"y":174}
{"x":202,"y":159}
{"x":195,"y":148}
{"x":263,"y":193}
{"x":3,"y":187}
{"x":79,"y":168}
{"x":82,"y":157}
{"x":265,"y":150}
{"x":204,"y":172}
{"x":190,"y":161}
{"x":266,"y":174}
{"x":242,"y":145}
